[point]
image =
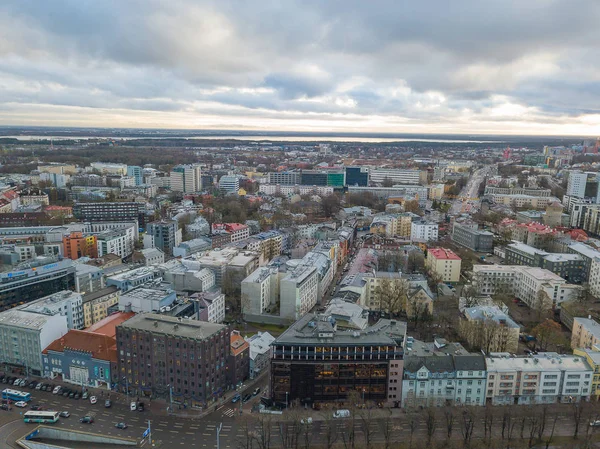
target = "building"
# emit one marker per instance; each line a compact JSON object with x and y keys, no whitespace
{"x":285,"y":178}
{"x":260,"y":291}
{"x":131,"y":279}
{"x":96,"y":304}
{"x":189,"y":247}
{"x":211,"y":305}
{"x":593,"y":358}
{"x":445,"y":263}
{"x":423,"y":231}
{"x":28,"y":333}
{"x":76,"y":245}
{"x":230,"y":184}
{"x":536,"y":287}
{"x":277,"y":189}
{"x":469,"y":236}
{"x":109,"y":169}
{"x":117,"y":242}
{"x":137,"y":173}
{"x":149,"y":256}
{"x":145,"y":300}
{"x":443,"y":380}
{"x":66,"y":303}
{"x":108,"y":211}
{"x":88,"y":278}
{"x":237,"y":231}
{"x":166,"y":235}
{"x":545,"y":378}
{"x":238,"y":363}
{"x":314,"y":362}
{"x":579,"y":184}
{"x":357,"y":176}
{"x":161,"y":356}
{"x":585,"y":334}
{"x":35,"y":282}
{"x":260,"y":353}
{"x":298,"y":291}
{"x":588,"y":254}
{"x":396,"y":176}
{"x":489,"y":328}
{"x":83,"y":358}
{"x":186,"y":178}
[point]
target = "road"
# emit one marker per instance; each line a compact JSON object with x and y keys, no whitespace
{"x":469,"y":192}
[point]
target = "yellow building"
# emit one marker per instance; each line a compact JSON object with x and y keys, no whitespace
{"x":96,"y":304}
{"x":593,"y":358}
{"x":586,"y":333}
{"x":242,"y":192}
{"x":404,"y":224}
{"x":445,"y":263}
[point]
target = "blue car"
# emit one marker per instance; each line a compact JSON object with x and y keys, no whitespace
{"x":236,"y":398}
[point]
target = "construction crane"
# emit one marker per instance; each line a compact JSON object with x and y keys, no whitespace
{"x":507,"y":153}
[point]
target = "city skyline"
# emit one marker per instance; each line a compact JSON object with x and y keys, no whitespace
{"x":460,"y":68}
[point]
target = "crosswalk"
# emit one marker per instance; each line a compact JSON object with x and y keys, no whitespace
{"x":229,"y":412}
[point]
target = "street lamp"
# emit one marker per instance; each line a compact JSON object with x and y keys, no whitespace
{"x":286,"y":400}
{"x":126,"y":387}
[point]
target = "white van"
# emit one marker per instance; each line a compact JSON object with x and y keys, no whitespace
{"x":133,"y":406}
{"x":341,"y":414}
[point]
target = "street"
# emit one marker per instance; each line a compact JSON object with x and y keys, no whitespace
{"x":469,"y":192}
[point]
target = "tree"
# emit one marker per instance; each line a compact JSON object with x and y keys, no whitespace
{"x":415,"y":262}
{"x":449,"y":418}
{"x":542,"y":304}
{"x":430,"y":424}
{"x":548,"y":332}
{"x":331,"y":432}
{"x":386,"y":426}
{"x":331,"y":205}
{"x":412,"y":206}
{"x":387,"y":182}
{"x":392,"y":295}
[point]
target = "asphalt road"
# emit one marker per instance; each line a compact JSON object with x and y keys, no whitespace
{"x":469,"y":192}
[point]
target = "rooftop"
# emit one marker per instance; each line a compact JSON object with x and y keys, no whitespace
{"x":166,"y":325}
{"x":260,"y":344}
{"x":443,"y":253}
{"x":24,"y":319}
{"x":108,"y":325}
{"x":145,"y":294}
{"x":543,"y":361}
{"x":237,"y":343}
{"x":524,"y":248}
{"x":590,"y":325}
{"x":101,"y":346}
{"x":490,"y":313}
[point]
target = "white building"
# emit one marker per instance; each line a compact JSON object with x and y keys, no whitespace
{"x":260,"y":352}
{"x":186,"y":179}
{"x":152,"y":256}
{"x":395,"y":175}
{"x":298,"y":292}
{"x":66,"y":303}
{"x":29,"y":333}
{"x":109,"y":169}
{"x":146,"y":300}
{"x":230,"y":184}
{"x":214,"y":303}
{"x":544,"y":378}
{"x":116,"y":242}
{"x":260,"y":291}
{"x":423,"y":231}
{"x":273,"y":189}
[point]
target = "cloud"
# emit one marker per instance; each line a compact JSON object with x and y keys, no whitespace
{"x":468,"y":66}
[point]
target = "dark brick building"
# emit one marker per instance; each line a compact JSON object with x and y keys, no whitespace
{"x":157,"y":352}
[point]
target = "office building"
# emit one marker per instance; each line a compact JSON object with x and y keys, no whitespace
{"x":28,"y":333}
{"x":66,"y":303}
{"x":186,"y":179}
{"x":396,"y":176}
{"x":131,"y":279}
{"x":315,"y":362}
{"x":582,"y":184}
{"x":107,"y":211}
{"x":161,"y":356}
{"x":77,"y":245}
{"x":230,"y":184}
{"x":137,"y":173}
{"x":289,"y":178}
{"x":36,"y":282}
{"x":313,"y":178}
{"x":146,"y":299}
{"x":445,"y":263}
{"x":468,"y":235}
{"x":165,"y":234}
{"x":544,"y":378}
{"x":357,"y":176}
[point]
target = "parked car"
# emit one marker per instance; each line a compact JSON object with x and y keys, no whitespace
{"x":236,"y":398}
{"x":84,"y":395}
{"x":56,"y":390}
{"x":140,"y":407}
{"x":341,"y":414}
{"x":87,"y":420}
{"x":32,"y":384}
{"x":77,"y":396}
{"x":64,"y":414}
{"x":93,"y":399}
{"x":246,"y":398}
{"x":22,"y":382}
{"x":133,"y":406}
{"x":256,"y":391}
{"x":65,"y":393}
{"x":38,"y":386}
{"x":72,"y":395}
{"x":5,"y":407}
{"x":121,"y":425}
{"x":306,"y":420}
{"x":16,"y":381}
{"x":21,"y":404}
{"x":108,"y":403}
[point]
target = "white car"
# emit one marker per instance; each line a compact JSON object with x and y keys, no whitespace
{"x":306,"y":420}
{"x":56,"y":390}
{"x":592,"y":424}
{"x":17,"y":382}
{"x":93,"y":399}
{"x":21,"y":404}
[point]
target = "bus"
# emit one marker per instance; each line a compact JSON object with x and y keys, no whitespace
{"x":40,"y":416}
{"x":16,"y":395}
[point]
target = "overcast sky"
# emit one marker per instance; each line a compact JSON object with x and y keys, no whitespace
{"x":461,"y":66}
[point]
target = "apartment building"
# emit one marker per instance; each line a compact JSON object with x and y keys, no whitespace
{"x":165,"y":234}
{"x":298,"y":291}
{"x":445,"y":263}
{"x":237,"y":231}
{"x":593,"y":358}
{"x":585,"y":334}
{"x":108,"y":211}
{"x":478,"y":319}
{"x":260,"y":352}
{"x":66,"y":303}
{"x":186,"y":178}
{"x":286,"y":178}
{"x":444,"y":380}
{"x":77,"y":245}
{"x":117,"y":242}
{"x":545,"y":378}
{"x":160,"y":354}
{"x":423,"y":231}
{"x":468,"y":235}
{"x":96,"y":304}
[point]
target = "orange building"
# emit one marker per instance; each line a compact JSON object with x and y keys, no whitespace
{"x":76,"y":246}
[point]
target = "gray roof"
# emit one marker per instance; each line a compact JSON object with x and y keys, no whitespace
{"x":440,"y":364}
{"x":99,"y":293}
{"x":471,"y":362}
{"x":167,"y":325}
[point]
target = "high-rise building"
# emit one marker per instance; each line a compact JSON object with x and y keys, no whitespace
{"x":186,"y":178}
{"x":230,"y":184}
{"x":166,"y":235}
{"x":285,"y":178}
{"x":136,"y":173}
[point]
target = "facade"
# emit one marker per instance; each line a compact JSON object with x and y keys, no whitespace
{"x":443,"y":380}
{"x":212,"y":304}
{"x":66,"y":303}
{"x":273,"y":189}
{"x":115,"y":242}
{"x":96,"y":304}
{"x":237,"y":231}
{"x":445,"y":263}
{"x":423,"y":231}
{"x":158,"y":353}
{"x":166,"y":235}
{"x":238,"y":363}
{"x":298,"y":292}
{"x":545,"y":378}
{"x":469,"y":236}
{"x":107,"y":211}
{"x":186,"y":179}
{"x":35,"y":282}
{"x":288,"y":178}
{"x":77,"y":245}
{"x":137,"y":173}
{"x":357,"y":176}
{"x":260,"y":352}
{"x":260,"y":291}
{"x":29,"y":333}
{"x":150,"y":256}
{"x":145,"y":300}
{"x":81,"y":358}
{"x":230,"y":184}
{"x":314,"y":362}
{"x":395,"y":175}
{"x":585,"y":334}
{"x":588,"y":254}
{"x":593,"y":359}
{"x":131,"y":279}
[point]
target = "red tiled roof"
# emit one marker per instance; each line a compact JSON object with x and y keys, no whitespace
{"x":101,"y":347}
{"x":443,"y":254}
{"x":108,"y":325}
{"x":237,"y":343}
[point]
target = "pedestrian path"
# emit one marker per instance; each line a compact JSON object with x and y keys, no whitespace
{"x":229,"y":412}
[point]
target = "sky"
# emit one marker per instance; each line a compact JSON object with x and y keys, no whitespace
{"x":429,"y":66}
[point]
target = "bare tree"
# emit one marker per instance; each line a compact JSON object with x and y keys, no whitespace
{"x":468,"y":425}
{"x":577,"y":410}
{"x":331,"y":432}
{"x":488,"y":422}
{"x":366,"y":420}
{"x":392,"y":295}
{"x":542,"y":304}
{"x":551,"y":436}
{"x":412,"y":426}
{"x":430,"y":423}
{"x":263,"y":431}
{"x":248,"y":434}
{"x":386,"y":427}
{"x":307,"y":434}
{"x":449,"y":419}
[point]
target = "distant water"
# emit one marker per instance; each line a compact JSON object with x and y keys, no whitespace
{"x":259,"y":139}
